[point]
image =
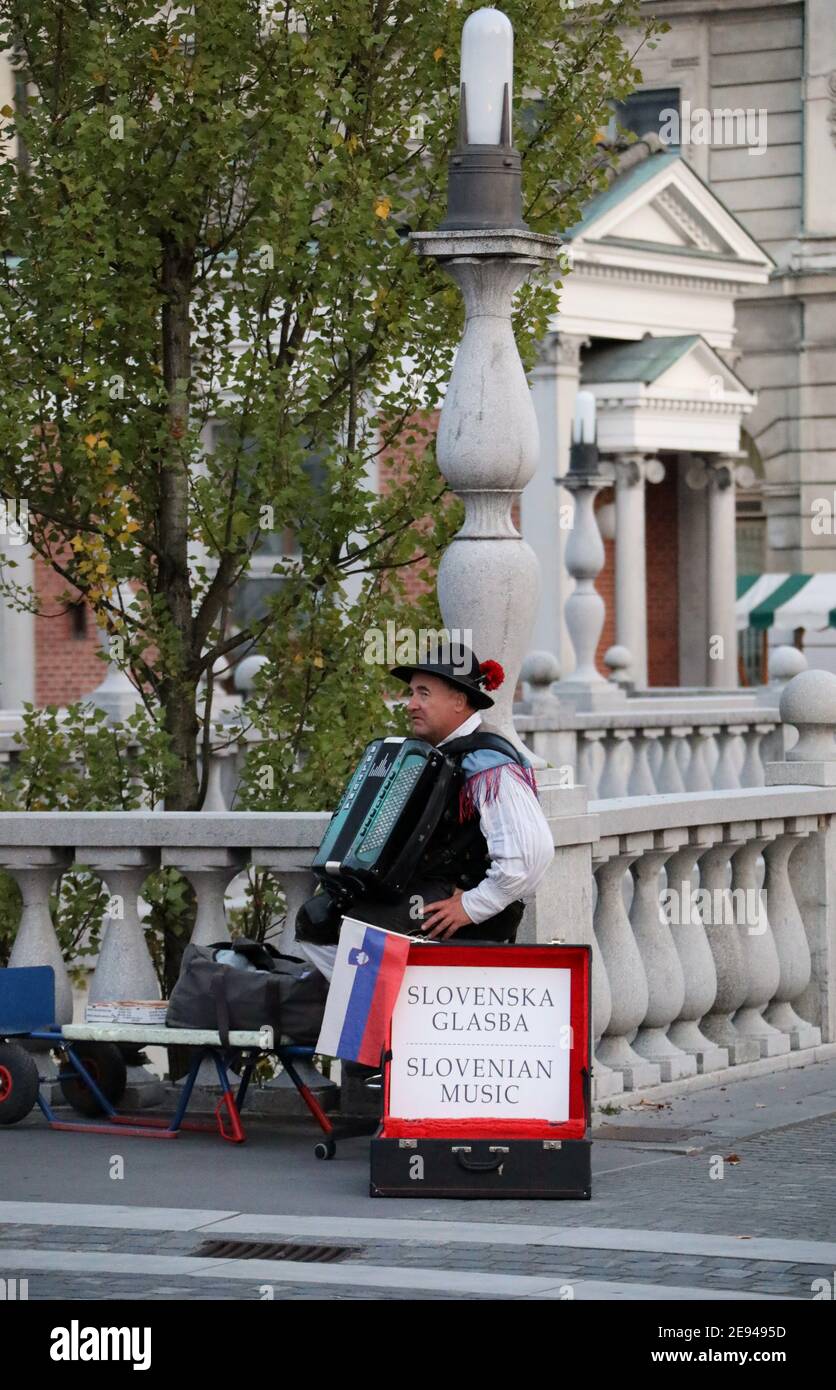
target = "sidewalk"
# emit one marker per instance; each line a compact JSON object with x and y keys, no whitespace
{"x":658,"y":1225}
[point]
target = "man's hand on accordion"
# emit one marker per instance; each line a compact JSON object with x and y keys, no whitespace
{"x":443,"y":918}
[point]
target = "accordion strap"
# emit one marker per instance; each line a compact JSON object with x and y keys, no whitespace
{"x":470,"y":742}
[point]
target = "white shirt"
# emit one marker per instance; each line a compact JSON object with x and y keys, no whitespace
{"x":519,"y":840}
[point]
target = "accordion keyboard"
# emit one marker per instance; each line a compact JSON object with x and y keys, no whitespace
{"x":397,"y":795}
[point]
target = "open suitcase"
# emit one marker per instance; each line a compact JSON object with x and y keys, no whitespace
{"x":420,"y":1150}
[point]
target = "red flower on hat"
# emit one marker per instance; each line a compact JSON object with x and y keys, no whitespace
{"x":490,"y":675}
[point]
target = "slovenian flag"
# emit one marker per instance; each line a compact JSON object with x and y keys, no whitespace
{"x":367,"y":977}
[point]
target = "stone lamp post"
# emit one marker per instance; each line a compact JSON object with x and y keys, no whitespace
{"x":488,"y":443}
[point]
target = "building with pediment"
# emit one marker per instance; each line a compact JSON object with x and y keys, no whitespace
{"x":647,"y":322}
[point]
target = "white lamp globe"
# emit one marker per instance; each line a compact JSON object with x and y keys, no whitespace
{"x":487,"y":65}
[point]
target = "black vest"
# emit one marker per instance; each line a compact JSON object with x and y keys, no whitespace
{"x":456,"y":856}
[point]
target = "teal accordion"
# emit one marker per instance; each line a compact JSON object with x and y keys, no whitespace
{"x":387,"y":813}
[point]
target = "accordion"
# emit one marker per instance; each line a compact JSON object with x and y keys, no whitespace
{"x":387,"y":813}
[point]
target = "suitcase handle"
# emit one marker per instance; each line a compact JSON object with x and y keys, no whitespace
{"x":476,"y":1165}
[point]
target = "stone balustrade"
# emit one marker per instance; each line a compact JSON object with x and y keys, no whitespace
{"x":676,"y":745}
{"x":712,"y":913}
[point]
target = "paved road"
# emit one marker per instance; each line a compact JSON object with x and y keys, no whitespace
{"x":659,"y":1224}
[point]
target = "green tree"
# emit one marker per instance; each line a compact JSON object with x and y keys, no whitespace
{"x":204,"y":223}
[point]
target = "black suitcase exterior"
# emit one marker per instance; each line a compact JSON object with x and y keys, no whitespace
{"x":481,"y":1168}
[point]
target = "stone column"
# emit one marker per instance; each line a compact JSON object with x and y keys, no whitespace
{"x":488,"y":447}
{"x":631,"y":472}
{"x":721,"y":656}
{"x":554,"y":385}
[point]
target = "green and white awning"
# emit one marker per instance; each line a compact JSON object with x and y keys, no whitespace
{"x":786,"y":601}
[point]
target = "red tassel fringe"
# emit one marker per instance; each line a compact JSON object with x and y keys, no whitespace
{"x":489,"y":779}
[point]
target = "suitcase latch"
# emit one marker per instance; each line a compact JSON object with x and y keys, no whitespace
{"x":498,"y":1149}
{"x":552,"y":1143}
{"x":407,"y":1143}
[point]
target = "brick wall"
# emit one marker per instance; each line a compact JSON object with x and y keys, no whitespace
{"x":66,"y":666}
{"x":662,"y":534}
{"x":605,"y":584}
{"x":393,"y":463}
{"x":662,"y":599}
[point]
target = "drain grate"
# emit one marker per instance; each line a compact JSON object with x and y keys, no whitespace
{"x":274,"y":1250}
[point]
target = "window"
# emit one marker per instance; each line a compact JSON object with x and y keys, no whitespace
{"x":78,"y":620}
{"x":642,"y":112}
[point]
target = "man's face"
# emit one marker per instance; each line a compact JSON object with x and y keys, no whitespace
{"x":435,"y":707}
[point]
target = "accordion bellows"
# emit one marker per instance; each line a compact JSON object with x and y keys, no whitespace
{"x":386,"y":815}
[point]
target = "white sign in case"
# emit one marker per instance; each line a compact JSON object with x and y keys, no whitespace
{"x":470,"y":1041}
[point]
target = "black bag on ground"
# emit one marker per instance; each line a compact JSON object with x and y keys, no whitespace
{"x":220,"y":997}
{"x":281,"y":991}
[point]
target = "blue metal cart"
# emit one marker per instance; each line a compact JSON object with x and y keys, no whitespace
{"x":93,"y":1075}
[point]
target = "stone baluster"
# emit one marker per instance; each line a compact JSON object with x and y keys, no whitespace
{"x":760,"y":955}
{"x":670,"y":775}
{"x":124,"y":969}
{"x":35,"y":870}
{"x":726,"y":775}
{"x":655,"y":753}
{"x":215,"y":798}
{"x":297,"y":884}
{"x":751,"y":773}
{"x":589,"y":773}
{"x":584,"y":609}
{"x":614,"y":777}
{"x":662,"y":965}
{"x":622,"y":962}
{"x":683,"y":753}
{"x":641,"y":778}
{"x":689,"y":937}
{"x":606,"y":1081}
{"x":790,"y":937}
{"x":698,"y":778}
{"x":717,"y":913}
{"x":209,"y":870}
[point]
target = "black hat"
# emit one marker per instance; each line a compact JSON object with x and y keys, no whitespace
{"x":468,"y":674}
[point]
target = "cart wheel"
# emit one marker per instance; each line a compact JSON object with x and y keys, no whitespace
{"x":326,"y":1149}
{"x":106,"y":1066}
{"x":18,"y":1083}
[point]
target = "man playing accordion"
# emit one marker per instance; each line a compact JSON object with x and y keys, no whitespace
{"x":491,"y":845}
